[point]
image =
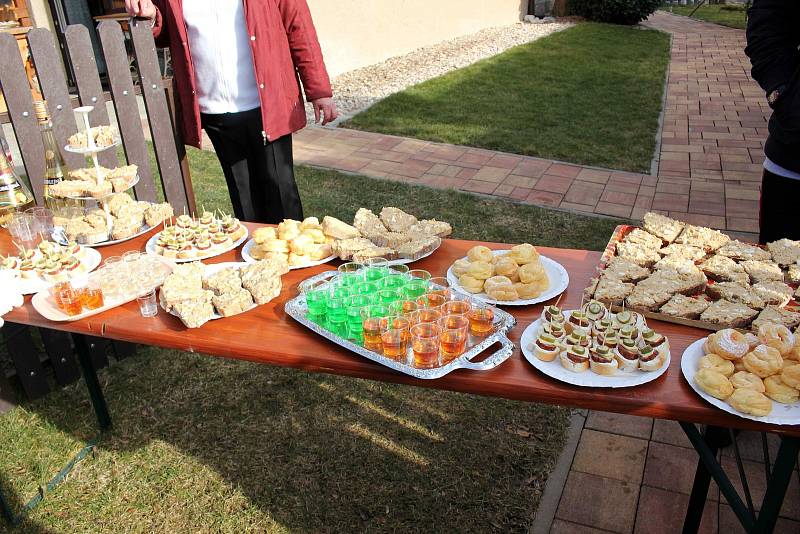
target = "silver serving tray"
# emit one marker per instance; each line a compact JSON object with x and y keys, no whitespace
{"x":297,"y":309}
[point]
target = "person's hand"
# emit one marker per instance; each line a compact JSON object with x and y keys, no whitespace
{"x":141,"y":8}
{"x":325,"y":107}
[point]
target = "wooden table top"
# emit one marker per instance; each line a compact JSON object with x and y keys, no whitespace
{"x":267,"y":335}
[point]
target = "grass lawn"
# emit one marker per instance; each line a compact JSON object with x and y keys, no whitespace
{"x":205,"y":444}
{"x":732,"y":15}
{"x":590,"y":94}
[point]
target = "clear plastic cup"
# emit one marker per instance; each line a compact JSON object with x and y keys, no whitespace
{"x":24,"y":230}
{"x":415,"y":288}
{"x":425,"y":345}
{"x":404,"y":307}
{"x":395,"y":322}
{"x":387,"y":296}
{"x":453,"y":337}
{"x":426,"y":315}
{"x":148,"y":306}
{"x":316,"y":293}
{"x":355,"y":303}
{"x":393,"y":281}
{"x":375,"y":269}
{"x":398,"y":268}
{"x":457,"y":306}
{"x":351,"y":274}
{"x":44,"y":219}
{"x":481,"y":319}
{"x":395,"y":344}
{"x":371,"y":317}
{"x":419,"y":273}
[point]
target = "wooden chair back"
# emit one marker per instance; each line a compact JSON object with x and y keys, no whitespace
{"x":127,"y":78}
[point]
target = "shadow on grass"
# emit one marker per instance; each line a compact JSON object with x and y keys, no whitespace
{"x":201,"y":441}
{"x":16,"y":504}
{"x":204,"y":444}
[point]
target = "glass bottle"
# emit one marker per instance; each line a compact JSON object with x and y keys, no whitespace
{"x":55,"y":168}
{"x":14,"y":194}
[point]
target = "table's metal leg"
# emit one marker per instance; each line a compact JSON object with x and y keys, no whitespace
{"x":103,"y":420}
{"x":765,"y":449}
{"x":708,"y":466}
{"x":92,"y":383}
{"x":707,"y":447}
{"x":777,"y":484}
{"x":743,"y":475}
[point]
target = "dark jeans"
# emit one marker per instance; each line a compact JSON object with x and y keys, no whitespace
{"x":778,"y":217}
{"x":260,"y":175}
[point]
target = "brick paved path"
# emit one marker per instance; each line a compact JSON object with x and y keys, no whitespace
{"x":715,"y":124}
{"x":709,"y":164}
{"x":634,"y":475}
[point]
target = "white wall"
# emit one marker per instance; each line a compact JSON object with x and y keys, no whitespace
{"x":357,"y":33}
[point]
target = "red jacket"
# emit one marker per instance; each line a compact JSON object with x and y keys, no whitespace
{"x":285,"y":50}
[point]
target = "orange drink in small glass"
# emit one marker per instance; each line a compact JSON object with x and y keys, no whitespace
{"x":371,"y":318}
{"x":92,"y":297}
{"x":395,"y":344}
{"x":425,"y":315}
{"x":453,"y":337}
{"x":56,"y":289}
{"x":456,"y":307}
{"x":481,"y":320}
{"x":404,"y":307}
{"x":70,"y":302}
{"x":425,"y":345}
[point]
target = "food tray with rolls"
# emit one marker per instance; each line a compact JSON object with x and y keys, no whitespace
{"x":297,"y":309}
{"x":694,"y":276}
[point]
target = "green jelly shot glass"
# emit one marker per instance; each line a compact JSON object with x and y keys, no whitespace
{"x":351,"y":273}
{"x":375,"y":269}
{"x":355,"y":304}
{"x":316,"y":293}
{"x":393,"y":281}
{"x":418,"y":273}
{"x":415,"y":288}
{"x":369,"y":289}
{"x":387,"y":296}
{"x":337,"y":311}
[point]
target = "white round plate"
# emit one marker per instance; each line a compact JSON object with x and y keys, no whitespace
{"x":782,"y":414}
{"x":555,"y":370}
{"x":60,"y":238}
{"x":556,"y":274}
{"x":150,"y":248}
{"x":86,"y":151}
{"x":90,"y":261}
{"x":250,"y":259}
{"x":208,"y":271}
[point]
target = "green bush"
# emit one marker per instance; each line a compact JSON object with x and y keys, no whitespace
{"x":615,"y":11}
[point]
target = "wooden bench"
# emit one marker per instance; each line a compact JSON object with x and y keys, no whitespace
{"x":169,"y":178}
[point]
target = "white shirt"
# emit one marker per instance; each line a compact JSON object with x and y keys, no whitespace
{"x":223,"y":62}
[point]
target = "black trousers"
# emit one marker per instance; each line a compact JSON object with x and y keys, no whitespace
{"x":260,"y":174}
{"x":778,"y":217}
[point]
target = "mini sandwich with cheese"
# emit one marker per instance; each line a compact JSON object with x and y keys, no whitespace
{"x":627,"y":355}
{"x":575,"y":359}
{"x":546,"y":348}
{"x":602,"y":361}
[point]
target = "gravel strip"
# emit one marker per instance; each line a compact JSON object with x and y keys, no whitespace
{"x":356,"y":90}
